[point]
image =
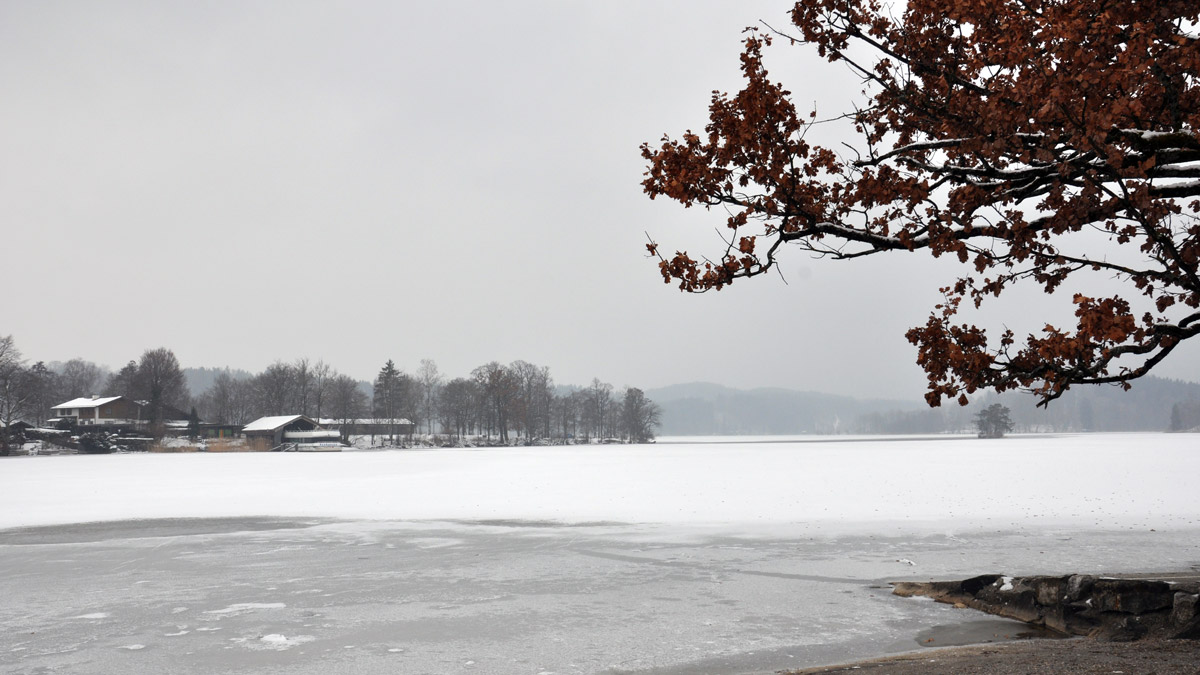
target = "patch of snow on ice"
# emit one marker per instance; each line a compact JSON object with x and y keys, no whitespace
{"x":280,"y":642}
{"x":93,"y":615}
{"x":244,"y":607}
{"x":132,"y":648}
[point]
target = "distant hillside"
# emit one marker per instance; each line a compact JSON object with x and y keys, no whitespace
{"x":704,"y":408}
{"x":1145,"y":407}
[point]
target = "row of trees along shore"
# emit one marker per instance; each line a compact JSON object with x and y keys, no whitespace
{"x":502,"y":403}
{"x":518,"y":402}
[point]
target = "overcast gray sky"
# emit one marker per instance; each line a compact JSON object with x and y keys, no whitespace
{"x":249,"y":181}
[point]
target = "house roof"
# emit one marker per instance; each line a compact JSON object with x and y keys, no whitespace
{"x":273,"y":423}
{"x":87,"y":402}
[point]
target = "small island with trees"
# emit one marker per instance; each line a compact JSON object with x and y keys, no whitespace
{"x":993,"y":421}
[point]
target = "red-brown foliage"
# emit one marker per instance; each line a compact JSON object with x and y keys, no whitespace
{"x":994,"y":130}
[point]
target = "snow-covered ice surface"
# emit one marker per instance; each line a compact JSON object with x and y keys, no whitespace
{"x":926,"y":485}
{"x":672,"y":558}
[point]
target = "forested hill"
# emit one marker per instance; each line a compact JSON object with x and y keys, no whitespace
{"x":1148,"y":406}
{"x":703,"y":408}
{"x":711,"y":409}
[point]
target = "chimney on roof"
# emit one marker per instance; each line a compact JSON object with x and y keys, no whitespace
{"x":94,"y":397}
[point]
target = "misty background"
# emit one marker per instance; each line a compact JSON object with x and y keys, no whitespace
{"x":259,"y":181}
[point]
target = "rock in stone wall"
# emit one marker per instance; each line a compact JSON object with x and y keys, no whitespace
{"x":1078,"y":604}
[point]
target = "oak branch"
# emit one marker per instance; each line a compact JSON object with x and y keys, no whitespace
{"x":992,"y":132}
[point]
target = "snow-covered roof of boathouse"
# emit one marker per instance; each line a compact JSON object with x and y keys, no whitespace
{"x":272,"y":423}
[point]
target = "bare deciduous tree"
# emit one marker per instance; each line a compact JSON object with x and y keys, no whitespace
{"x":273,"y":389}
{"x":15,"y":392}
{"x":598,"y":407}
{"x":430,"y":382}
{"x":458,"y":406}
{"x":639,"y":416}
{"x":159,"y":381}
{"x":322,"y":375}
{"x":531,"y":398}
{"x":301,"y":386}
{"x":229,"y":400}
{"x":498,"y":387}
{"x":123,"y":382}
{"x":568,"y":409}
{"x":77,"y":378}
{"x":347,"y":402}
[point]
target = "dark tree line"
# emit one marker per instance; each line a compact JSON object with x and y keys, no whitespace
{"x":297,"y":388}
{"x":1155,"y":404}
{"x":503,"y":403}
{"x":520,"y":401}
{"x":155,"y":380}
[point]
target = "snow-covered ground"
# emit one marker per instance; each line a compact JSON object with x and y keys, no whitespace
{"x":716,"y":557}
{"x":1105,"y":481}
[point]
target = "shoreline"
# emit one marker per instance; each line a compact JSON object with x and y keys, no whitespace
{"x":1036,"y":636}
{"x":1028,"y":657}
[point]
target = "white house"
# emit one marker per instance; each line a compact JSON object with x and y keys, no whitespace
{"x":99,"y":410}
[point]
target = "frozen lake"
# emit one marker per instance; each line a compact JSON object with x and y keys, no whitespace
{"x":708,"y":557}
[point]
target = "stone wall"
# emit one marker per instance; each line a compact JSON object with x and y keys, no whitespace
{"x":1101,"y":607}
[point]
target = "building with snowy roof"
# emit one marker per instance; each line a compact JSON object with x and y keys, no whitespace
{"x":399,"y":426}
{"x":115,"y":411}
{"x":290,"y":432}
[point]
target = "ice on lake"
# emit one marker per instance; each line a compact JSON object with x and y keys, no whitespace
{"x":719,"y":557}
